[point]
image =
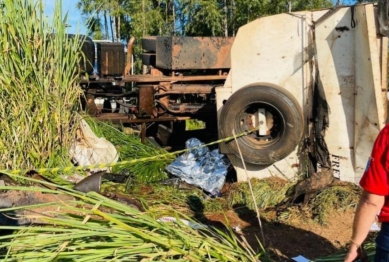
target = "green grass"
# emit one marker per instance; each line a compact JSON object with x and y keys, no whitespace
{"x":194,"y":124}
{"x":268,"y":193}
{"x":105,"y":231}
{"x":369,"y":250}
{"x":95,"y":228}
{"x":130,"y":147}
{"x":334,"y":199}
{"x":38,"y":86}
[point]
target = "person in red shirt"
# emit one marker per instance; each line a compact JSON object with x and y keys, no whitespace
{"x":374,"y":200}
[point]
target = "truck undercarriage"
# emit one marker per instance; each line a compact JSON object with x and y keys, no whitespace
{"x":311,"y":86}
{"x":182,"y":87}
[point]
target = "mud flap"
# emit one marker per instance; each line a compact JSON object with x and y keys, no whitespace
{"x":319,"y":152}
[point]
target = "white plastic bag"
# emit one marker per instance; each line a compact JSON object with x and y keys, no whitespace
{"x":88,"y":149}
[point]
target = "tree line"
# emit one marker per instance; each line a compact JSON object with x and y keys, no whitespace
{"x":118,"y":20}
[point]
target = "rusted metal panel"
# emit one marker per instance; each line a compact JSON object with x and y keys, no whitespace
{"x":159,"y":78}
{"x":155,"y":79}
{"x":193,"y":108}
{"x":146,"y":101}
{"x":183,"y":53}
{"x":110,"y":58}
{"x":192,"y":89}
{"x":164,"y":134}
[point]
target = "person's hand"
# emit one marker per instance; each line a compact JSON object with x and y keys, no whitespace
{"x":352,"y":253}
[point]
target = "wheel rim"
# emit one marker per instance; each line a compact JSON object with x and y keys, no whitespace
{"x":245,"y":120}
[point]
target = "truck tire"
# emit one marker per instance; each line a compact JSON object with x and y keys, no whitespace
{"x":149,"y":43}
{"x":148,"y":59}
{"x":284,"y":119}
{"x":87,"y":61}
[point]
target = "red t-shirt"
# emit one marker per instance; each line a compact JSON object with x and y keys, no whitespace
{"x":375,"y":180}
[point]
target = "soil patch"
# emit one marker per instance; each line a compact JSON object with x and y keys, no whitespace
{"x":301,"y":236}
{"x":289,"y":228}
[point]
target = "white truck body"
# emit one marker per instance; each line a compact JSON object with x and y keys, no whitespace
{"x":341,"y":51}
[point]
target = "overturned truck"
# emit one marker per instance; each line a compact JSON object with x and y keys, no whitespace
{"x":310,"y":85}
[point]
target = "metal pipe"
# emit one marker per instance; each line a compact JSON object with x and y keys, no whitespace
{"x":128,"y":69}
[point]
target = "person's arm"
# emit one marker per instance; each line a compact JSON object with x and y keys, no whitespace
{"x":369,"y":206}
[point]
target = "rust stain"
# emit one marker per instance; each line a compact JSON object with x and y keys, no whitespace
{"x":181,"y":53}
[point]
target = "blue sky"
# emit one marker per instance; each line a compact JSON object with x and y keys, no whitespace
{"x":74,"y":15}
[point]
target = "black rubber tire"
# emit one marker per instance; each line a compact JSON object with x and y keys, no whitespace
{"x":148,"y":59}
{"x":149,"y":43}
{"x":286,"y":132}
{"x":87,"y":62}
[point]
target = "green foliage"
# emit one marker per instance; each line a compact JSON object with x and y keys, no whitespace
{"x":164,"y":200}
{"x":38,"y":86}
{"x":186,"y":17}
{"x":267,"y":192}
{"x":311,"y":5}
{"x":194,"y":124}
{"x":334,"y":199}
{"x":97,"y":12}
{"x":130,"y":147}
{"x":205,"y":18}
{"x":95,"y":228}
{"x":369,"y":250}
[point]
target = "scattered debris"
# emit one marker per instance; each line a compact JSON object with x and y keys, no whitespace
{"x":88,"y":149}
{"x":94,"y":180}
{"x":300,"y":258}
{"x":26,"y":216}
{"x":237,"y":229}
{"x":183,"y":221}
{"x":313,"y":184}
{"x":73,"y":178}
{"x":126,"y":199}
{"x":90,"y":183}
{"x":46,"y":182}
{"x":178,"y":183}
{"x":201,"y":167}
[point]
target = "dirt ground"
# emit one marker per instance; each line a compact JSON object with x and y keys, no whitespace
{"x":300,"y":236}
{"x":288,"y":232}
